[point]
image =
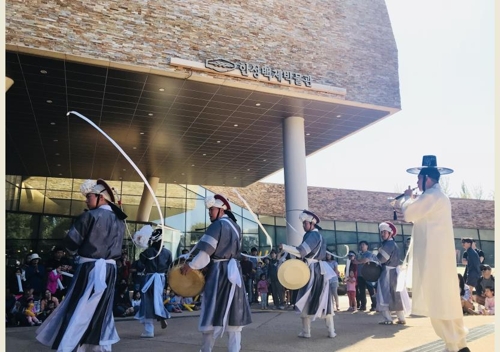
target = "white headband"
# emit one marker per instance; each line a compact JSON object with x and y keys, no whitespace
{"x":385,"y":227}
{"x":307,"y":217}
{"x":90,"y":186}
{"x":216,"y":203}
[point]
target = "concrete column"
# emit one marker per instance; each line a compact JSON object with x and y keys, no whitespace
{"x":147,"y":200}
{"x":294,"y":160}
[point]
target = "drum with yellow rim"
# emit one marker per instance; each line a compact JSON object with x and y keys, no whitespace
{"x":188,"y":285}
{"x":293,"y":274}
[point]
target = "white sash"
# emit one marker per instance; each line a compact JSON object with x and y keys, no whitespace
{"x":233,"y":275}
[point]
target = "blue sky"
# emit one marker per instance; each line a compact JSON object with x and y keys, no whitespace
{"x":446,"y":69}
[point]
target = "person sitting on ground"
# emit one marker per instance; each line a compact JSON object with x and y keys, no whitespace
{"x":122,"y":306}
{"x":465,"y":296}
{"x":47,"y":298}
{"x":489,"y":302}
{"x":173,"y":302}
{"x":31,"y":313}
{"x":485,"y":280}
{"x":136,"y":301}
{"x":47,"y":310}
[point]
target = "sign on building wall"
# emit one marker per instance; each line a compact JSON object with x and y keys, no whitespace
{"x":256,"y":70}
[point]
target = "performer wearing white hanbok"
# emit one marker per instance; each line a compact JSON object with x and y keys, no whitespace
{"x":314,"y":300}
{"x":388,"y":299}
{"x":84,"y":319}
{"x":433,"y":253}
{"x":156,"y":265}
{"x":224,"y":305}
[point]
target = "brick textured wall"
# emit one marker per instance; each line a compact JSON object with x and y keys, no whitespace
{"x":342,"y":43}
{"x":352,"y":205}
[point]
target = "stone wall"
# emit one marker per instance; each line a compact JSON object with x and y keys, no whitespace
{"x":354,"y":205}
{"x":343,"y":43}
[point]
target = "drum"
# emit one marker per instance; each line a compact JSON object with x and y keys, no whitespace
{"x":371,"y":271}
{"x":293,"y":274}
{"x":188,"y":285}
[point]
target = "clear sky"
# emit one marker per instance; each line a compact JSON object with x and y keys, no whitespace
{"x":446,"y":70}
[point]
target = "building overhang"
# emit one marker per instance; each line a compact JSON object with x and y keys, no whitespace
{"x":184,"y":125}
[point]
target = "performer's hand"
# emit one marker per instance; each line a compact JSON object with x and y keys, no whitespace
{"x":185,"y":269}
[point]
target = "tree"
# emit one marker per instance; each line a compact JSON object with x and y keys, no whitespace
{"x":464,"y":191}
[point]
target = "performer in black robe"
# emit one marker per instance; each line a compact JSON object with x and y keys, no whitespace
{"x":314,"y":300}
{"x":156,"y":265}
{"x":84,"y":320}
{"x":224,"y":306}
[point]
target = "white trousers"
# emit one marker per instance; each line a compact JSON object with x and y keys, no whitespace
{"x":452,"y":332}
{"x":233,"y":344}
{"x":149,"y":327}
{"x":94,"y":348}
{"x":388,"y":317}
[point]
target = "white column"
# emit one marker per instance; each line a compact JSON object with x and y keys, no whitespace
{"x":147,"y":200}
{"x":294,"y":161}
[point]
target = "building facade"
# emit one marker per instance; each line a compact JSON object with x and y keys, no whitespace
{"x":41,"y":210}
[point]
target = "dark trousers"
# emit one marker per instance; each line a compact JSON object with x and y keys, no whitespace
{"x":361,"y":288}
{"x":278,"y":293}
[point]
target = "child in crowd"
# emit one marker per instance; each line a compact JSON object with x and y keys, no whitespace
{"x":31,"y":313}
{"x":489,"y":301}
{"x":351,"y":291}
{"x":262,"y":289}
{"x":465,"y":296}
{"x":54,"y":280}
{"x":136,"y":301}
{"x":173,"y":302}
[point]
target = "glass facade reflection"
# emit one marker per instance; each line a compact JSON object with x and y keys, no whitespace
{"x":40,"y":210}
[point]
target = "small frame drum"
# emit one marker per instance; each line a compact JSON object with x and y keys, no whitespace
{"x":188,"y":285}
{"x":293,"y":274}
{"x":371,"y":271}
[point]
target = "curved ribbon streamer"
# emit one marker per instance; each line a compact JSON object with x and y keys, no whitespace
{"x":258,"y":222}
{"x":162,"y":225}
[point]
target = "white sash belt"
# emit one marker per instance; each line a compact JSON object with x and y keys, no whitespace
{"x":233,"y":275}
{"x":156,"y":278}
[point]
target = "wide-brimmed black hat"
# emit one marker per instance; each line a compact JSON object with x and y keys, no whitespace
{"x":429,"y":162}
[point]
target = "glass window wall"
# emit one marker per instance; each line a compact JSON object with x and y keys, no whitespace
{"x":41,"y":210}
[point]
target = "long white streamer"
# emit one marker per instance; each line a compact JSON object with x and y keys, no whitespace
{"x":131,"y":163}
{"x":258,"y":222}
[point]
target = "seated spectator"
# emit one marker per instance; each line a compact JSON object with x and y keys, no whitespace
{"x":17,"y":316}
{"x":31,"y":313}
{"x":485,"y":280}
{"x":47,"y":310}
{"x":122,"y":306}
{"x":10,"y":303}
{"x":173,"y":302}
{"x":189,"y":304}
{"x":136,"y":300}
{"x":465,"y":297}
{"x":489,"y":301}
{"x":48,"y":298}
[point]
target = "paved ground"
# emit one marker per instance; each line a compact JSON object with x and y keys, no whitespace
{"x":276,"y":331}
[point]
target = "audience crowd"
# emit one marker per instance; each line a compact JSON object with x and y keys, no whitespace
{"x":35,"y":288}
